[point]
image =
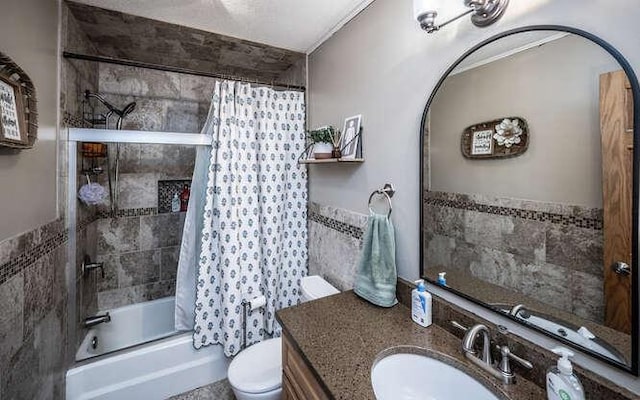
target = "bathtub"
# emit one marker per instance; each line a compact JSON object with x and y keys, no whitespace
{"x":129,"y":326}
{"x":161,"y":367}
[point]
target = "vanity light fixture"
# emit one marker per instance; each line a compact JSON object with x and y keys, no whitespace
{"x":483,"y":13}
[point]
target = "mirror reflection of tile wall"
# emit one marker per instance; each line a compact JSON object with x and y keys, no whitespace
{"x":528,"y":229}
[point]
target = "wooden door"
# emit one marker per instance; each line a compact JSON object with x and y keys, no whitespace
{"x":616,"y":129}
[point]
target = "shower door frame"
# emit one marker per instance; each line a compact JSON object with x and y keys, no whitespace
{"x":76,"y":135}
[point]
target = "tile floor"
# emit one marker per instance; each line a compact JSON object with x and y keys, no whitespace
{"x":220,"y":390}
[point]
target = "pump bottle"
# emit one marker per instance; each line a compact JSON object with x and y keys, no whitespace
{"x":562,"y":383}
{"x":421,"y":305}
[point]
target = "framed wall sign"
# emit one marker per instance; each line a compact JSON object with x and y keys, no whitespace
{"x":482,"y":143}
{"x":500,"y":138}
{"x":12,"y":117}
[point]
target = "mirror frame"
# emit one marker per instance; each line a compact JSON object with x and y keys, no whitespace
{"x":635,"y":88}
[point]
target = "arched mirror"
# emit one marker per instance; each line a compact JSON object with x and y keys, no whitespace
{"x":530,"y":187}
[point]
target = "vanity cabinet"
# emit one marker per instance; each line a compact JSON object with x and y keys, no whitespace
{"x":298,"y":382}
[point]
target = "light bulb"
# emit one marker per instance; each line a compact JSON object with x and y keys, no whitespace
{"x":421,"y":7}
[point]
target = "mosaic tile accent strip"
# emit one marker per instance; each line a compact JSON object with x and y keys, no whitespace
{"x":49,"y":237}
{"x":94,"y":216}
{"x":128,"y":212}
{"x":542,"y":216}
{"x":72,"y":121}
{"x":166,"y":190}
{"x":334,"y":224}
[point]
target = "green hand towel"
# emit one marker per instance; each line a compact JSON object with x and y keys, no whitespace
{"x":377,"y":275}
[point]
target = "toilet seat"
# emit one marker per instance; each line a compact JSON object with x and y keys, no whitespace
{"x":258,"y":368}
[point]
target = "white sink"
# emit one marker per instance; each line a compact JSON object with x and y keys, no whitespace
{"x":415,"y":377}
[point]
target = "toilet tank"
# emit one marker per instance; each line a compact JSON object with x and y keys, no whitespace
{"x":314,"y":287}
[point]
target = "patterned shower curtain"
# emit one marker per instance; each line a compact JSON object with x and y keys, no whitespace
{"x":254,"y":238}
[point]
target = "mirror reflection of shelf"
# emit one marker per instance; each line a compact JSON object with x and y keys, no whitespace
{"x":332,"y":161}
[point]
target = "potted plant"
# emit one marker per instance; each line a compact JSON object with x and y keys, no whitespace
{"x":322,"y":140}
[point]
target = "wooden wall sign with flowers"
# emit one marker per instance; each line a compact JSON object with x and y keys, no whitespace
{"x":500,"y":138}
{"x":18,"y":107}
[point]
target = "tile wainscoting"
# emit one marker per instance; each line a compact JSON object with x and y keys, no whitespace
{"x":335,"y":240}
{"x":33,"y":326}
{"x":538,"y":249}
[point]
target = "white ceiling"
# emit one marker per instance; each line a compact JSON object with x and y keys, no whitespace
{"x":506,"y":47}
{"x":299,"y":25}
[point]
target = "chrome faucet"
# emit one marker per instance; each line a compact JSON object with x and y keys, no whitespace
{"x":88,"y":266}
{"x":519,"y":309}
{"x":502,"y":370}
{"x":469,"y":340}
{"x":96,"y":320}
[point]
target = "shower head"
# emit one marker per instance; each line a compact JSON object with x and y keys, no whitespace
{"x":120,"y":113}
{"x":110,"y":107}
{"x":128,"y":109}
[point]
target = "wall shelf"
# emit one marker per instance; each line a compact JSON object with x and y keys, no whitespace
{"x":333,"y":161}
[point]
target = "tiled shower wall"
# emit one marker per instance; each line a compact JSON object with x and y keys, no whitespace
{"x":335,"y":240}
{"x":550,"y":252}
{"x":138,"y":246}
{"x":140,"y":256}
{"x":166,"y":101}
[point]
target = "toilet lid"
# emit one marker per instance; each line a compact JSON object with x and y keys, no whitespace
{"x":258,"y":368}
{"x":316,"y":287}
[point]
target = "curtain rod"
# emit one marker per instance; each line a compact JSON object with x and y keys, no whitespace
{"x":166,"y":68}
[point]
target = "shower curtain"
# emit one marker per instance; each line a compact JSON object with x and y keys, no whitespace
{"x":253,"y":233}
{"x":191,"y":244}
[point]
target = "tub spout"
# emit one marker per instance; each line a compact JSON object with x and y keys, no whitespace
{"x":96,"y":320}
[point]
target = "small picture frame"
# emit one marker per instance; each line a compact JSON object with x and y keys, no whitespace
{"x":351,"y":137}
{"x":12,"y":117}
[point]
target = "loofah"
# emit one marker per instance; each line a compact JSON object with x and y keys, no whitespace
{"x":92,"y":194}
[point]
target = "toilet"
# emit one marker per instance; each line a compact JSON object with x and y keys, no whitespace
{"x":256,"y":372}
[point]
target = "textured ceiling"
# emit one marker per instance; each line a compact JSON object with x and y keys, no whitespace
{"x":292,"y":24}
{"x":124,"y":36}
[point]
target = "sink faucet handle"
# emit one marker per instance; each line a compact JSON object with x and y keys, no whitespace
{"x":506,"y":354}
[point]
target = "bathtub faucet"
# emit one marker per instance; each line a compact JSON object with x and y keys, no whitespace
{"x":96,"y":320}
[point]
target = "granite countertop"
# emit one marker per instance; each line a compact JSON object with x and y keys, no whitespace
{"x":341,"y":336}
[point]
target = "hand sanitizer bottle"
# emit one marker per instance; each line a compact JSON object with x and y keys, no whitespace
{"x":562,"y":383}
{"x":421,"y":305}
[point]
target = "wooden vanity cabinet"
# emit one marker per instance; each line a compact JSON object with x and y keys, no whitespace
{"x":298,"y":382}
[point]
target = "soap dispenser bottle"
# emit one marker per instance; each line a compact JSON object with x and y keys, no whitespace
{"x":562,"y":383}
{"x":421,"y":305}
{"x":175,"y":203}
{"x":442,"y":280}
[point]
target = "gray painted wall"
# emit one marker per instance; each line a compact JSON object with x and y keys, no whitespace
{"x":29,"y":35}
{"x":561,"y":107}
{"x":382,"y":65}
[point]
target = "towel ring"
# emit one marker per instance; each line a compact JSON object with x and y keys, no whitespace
{"x":382,"y":192}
